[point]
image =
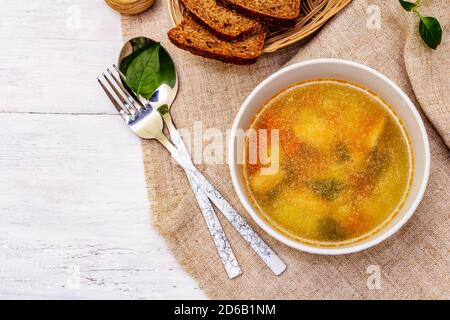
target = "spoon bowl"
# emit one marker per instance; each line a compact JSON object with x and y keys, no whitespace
{"x":167,"y":90}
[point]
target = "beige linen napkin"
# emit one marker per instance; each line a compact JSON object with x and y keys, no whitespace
{"x":414,"y":263}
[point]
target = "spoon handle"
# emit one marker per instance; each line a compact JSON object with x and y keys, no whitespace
{"x":258,"y":245}
{"x":223,"y":246}
{"x":261,"y":248}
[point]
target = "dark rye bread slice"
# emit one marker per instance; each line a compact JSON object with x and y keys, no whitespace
{"x":197,"y":39}
{"x":223,"y":22}
{"x":279,"y":13}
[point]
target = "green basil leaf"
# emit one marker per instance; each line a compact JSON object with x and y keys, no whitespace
{"x":430,"y":31}
{"x":166,"y":73}
{"x":408,"y":6}
{"x":143,"y":72}
{"x":125,"y":63}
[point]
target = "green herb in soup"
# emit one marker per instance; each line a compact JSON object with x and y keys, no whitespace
{"x":344,"y":163}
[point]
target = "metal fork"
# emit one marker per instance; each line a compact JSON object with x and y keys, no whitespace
{"x":134,"y":107}
{"x":147,"y":123}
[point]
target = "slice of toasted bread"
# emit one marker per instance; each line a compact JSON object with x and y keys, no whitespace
{"x":224,"y":22}
{"x":197,"y":39}
{"x":280,"y":13}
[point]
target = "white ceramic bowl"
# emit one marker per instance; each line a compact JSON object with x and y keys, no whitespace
{"x":368,"y":78}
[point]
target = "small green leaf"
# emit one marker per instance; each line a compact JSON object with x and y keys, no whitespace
{"x":166,"y":73}
{"x":408,"y":6}
{"x":430,"y":31}
{"x":142,"y":74}
{"x":136,"y":52}
{"x":163,"y":109}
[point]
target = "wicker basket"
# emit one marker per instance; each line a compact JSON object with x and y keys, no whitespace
{"x":314,"y":14}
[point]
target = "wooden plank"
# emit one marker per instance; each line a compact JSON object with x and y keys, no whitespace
{"x":73,"y":206}
{"x":52,"y":52}
{"x":59,"y":19}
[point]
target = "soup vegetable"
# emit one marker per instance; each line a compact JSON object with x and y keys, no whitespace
{"x":345,"y":163}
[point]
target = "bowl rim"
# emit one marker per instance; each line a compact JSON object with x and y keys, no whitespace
{"x":358,"y":246}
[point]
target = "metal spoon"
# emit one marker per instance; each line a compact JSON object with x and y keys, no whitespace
{"x":165,"y":94}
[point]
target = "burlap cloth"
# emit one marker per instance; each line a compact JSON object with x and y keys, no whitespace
{"x":414,"y":263}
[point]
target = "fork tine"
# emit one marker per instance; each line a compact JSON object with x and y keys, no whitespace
{"x":116,"y":105}
{"x":119,"y":94}
{"x":142,"y":101}
{"x":131,"y":97}
{"x":124,"y":96}
{"x":120,"y":72}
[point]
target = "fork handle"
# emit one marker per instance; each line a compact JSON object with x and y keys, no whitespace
{"x":223,"y":246}
{"x":258,"y":245}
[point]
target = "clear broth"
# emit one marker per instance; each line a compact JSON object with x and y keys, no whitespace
{"x":345,"y":163}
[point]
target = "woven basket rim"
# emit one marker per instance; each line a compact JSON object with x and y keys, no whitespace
{"x":314,"y":14}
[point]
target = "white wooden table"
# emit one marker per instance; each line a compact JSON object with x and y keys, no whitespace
{"x":74,"y":217}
